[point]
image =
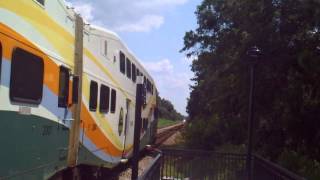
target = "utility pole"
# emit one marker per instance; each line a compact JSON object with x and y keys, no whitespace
{"x":137,"y":128}
{"x":78,"y":70}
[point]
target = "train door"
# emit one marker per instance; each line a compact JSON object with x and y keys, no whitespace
{"x":126,"y":123}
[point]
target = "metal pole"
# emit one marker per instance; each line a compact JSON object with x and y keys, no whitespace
{"x":137,"y":129}
{"x":250,"y":122}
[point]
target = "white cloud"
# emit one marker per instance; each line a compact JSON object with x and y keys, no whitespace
{"x":169,"y":81}
{"x":86,"y":11}
{"x":69,"y":4}
{"x":162,"y":66}
{"x":146,"y":24}
{"x":158,"y":3}
{"x":188,"y":60}
{"x":126,"y":15}
{"x":166,"y":75}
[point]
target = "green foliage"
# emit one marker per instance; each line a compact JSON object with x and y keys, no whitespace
{"x":287,"y":95}
{"x":167,"y":110}
{"x":300,"y":163}
{"x":165,"y":122}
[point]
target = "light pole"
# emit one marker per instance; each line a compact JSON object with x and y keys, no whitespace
{"x":253,"y":55}
{"x":137,"y":127}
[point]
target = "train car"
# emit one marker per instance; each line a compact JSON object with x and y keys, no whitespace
{"x":67,"y":92}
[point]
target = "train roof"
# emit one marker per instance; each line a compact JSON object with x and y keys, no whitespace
{"x":115,"y":36}
{"x":91,"y":28}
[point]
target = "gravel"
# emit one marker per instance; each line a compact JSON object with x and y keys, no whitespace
{"x":143,"y":165}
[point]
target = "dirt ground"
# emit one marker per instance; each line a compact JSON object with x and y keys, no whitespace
{"x":173,"y":139}
{"x":143,"y":165}
{"x":145,"y":162}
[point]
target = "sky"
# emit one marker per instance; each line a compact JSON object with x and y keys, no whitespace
{"x":153,"y":30}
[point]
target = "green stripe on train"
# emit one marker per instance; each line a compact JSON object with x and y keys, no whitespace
{"x":31,"y":147}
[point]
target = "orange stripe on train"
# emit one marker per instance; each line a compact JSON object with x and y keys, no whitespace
{"x":93,"y":132}
{"x":11,"y":39}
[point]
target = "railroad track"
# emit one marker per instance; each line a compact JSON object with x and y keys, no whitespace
{"x":164,"y":133}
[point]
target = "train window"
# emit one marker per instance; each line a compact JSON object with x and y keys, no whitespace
{"x":142,"y":125}
{"x":138,"y":72}
{"x":122,"y":63}
{"x":145,"y":124}
{"x":0,"y":59}
{"x":149,"y":85}
{"x":26,"y":84}
{"x":105,"y":49}
{"x":152,"y":89}
{"x":64,"y":77}
{"x":113,"y":101}
{"x":104,"y":98}
{"x":128,"y":68}
{"x":134,"y":75}
{"x":120,"y":125}
{"x":41,"y":2}
{"x":93,"y":96}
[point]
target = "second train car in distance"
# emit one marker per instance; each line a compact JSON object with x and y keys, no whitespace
{"x":67,"y":92}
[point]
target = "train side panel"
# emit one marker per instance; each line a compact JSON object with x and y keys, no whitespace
{"x":37,"y":65}
{"x":114,"y":128}
{"x":34,"y":129}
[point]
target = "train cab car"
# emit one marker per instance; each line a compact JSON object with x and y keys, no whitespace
{"x":67,"y":92}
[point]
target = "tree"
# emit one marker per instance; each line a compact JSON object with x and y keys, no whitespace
{"x":288,"y":87}
{"x":167,"y":110}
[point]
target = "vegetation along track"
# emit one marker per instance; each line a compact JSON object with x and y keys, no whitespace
{"x":164,"y":133}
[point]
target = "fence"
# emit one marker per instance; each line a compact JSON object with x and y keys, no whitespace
{"x":266,"y":170}
{"x":175,"y":164}
{"x":153,"y":171}
{"x":202,"y":165}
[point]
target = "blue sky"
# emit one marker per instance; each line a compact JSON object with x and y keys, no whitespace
{"x":154,"y":31}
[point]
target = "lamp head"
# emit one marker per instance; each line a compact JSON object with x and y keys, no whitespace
{"x":254,"y":53}
{"x":318,"y":50}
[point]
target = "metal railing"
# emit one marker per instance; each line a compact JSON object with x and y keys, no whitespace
{"x":153,"y":171}
{"x":190,"y":164}
{"x":205,"y":165}
{"x":266,"y":170}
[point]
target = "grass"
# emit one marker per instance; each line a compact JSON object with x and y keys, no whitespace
{"x":166,"y":122}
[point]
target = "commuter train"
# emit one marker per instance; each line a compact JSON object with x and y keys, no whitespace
{"x":67,"y":92}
